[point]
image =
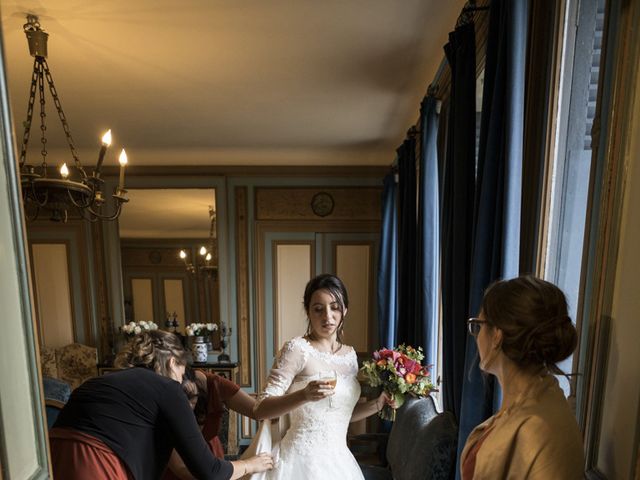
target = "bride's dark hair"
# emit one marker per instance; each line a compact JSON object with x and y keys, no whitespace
{"x":336,"y":288}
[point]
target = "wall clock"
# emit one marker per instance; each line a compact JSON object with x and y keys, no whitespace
{"x":322,"y":204}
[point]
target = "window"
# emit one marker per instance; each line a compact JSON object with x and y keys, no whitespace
{"x":571,"y":162}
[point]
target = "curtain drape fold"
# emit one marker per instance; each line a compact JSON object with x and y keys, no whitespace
{"x":407,"y":241}
{"x":457,"y":212}
{"x":387,"y":265}
{"x":428,"y":254}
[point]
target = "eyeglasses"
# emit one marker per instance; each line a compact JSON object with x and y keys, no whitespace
{"x":474,"y":324}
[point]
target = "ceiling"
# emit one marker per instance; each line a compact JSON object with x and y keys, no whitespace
{"x":211,"y":82}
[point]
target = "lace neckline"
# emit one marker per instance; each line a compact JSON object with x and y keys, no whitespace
{"x":327,"y":356}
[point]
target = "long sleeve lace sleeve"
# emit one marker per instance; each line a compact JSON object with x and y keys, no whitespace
{"x":288,"y":363}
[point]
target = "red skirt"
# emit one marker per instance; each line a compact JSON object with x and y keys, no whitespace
{"x":78,"y":456}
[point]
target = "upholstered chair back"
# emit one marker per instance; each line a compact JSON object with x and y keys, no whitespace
{"x":422,"y":442}
{"x":76,"y":363}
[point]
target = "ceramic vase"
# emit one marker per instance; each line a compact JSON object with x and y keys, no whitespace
{"x":199,"y":350}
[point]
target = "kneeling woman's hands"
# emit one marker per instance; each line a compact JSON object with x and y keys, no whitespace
{"x":317,"y":390}
{"x":259,"y":463}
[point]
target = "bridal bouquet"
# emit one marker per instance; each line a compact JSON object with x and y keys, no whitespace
{"x":132,"y":329}
{"x":400,"y":373}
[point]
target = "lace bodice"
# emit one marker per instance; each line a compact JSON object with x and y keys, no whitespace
{"x":314,"y":446}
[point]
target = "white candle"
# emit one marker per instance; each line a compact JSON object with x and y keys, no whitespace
{"x":123,"y":162}
{"x":106,"y":141}
{"x":64,"y":171}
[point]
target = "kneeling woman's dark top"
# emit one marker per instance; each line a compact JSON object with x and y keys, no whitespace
{"x":142,"y":416}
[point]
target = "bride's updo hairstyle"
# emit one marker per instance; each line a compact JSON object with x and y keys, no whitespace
{"x":336,"y":288}
{"x":537,"y":331}
{"x":153,"y":350}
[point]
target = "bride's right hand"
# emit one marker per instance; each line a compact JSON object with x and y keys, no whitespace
{"x":317,"y":390}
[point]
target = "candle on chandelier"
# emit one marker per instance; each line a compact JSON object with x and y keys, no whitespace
{"x":106,"y":142}
{"x":64,"y":171}
{"x":123,"y":162}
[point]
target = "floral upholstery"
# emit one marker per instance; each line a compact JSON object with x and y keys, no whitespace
{"x":76,"y":363}
{"x":72,"y":363}
{"x":48,"y":362}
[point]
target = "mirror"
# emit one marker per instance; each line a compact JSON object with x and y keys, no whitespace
{"x":169,"y":252}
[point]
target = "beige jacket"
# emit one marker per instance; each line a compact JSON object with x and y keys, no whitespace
{"x":536,"y":438}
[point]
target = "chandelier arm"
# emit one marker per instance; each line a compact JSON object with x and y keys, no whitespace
{"x":89,"y":218}
{"x":27,"y":125}
{"x":35,"y":217}
{"x":34,"y":195}
{"x":63,"y":118}
{"x":101,"y":216}
{"x":81,"y":205}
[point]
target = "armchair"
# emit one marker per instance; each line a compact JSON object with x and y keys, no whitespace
{"x":420,"y":446}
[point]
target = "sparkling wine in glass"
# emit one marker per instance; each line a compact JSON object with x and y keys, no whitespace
{"x":330,"y":377}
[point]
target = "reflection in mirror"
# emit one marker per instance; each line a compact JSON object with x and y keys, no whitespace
{"x":166,"y":279}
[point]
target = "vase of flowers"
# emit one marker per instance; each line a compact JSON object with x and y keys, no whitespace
{"x":199,"y":345}
{"x":132,"y":329}
{"x":399,"y":372}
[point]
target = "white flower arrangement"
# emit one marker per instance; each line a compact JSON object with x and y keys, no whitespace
{"x":200,"y":329}
{"x":134,"y":328}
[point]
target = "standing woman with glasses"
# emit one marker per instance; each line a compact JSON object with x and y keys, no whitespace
{"x":522,"y":331}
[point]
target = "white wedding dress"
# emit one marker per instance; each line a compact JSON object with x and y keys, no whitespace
{"x":315,"y":445}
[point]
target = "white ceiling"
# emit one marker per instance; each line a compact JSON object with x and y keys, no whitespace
{"x":212,"y":82}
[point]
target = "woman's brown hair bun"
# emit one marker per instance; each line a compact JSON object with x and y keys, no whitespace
{"x":532,"y":314}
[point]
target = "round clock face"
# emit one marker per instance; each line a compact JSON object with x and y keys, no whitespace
{"x":322,"y":204}
{"x":155,"y":257}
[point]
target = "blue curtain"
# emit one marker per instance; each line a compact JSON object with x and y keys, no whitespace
{"x":387,"y":265}
{"x":457,"y":211}
{"x":428,"y":259}
{"x":499,"y":185}
{"x":407,"y":242}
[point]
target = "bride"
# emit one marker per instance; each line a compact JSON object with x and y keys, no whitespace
{"x":301,"y":384}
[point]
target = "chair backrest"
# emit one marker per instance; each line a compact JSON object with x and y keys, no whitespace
{"x":422,"y":442}
{"x":77,"y":363}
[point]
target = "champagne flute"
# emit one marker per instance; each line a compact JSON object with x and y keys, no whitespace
{"x":330,"y":377}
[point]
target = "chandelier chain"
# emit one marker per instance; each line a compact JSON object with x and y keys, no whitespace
{"x":43,"y":125}
{"x":27,"y":123}
{"x":63,"y":118}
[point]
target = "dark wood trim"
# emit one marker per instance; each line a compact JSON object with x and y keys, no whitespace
{"x":105,"y":320}
{"x":242,"y":284}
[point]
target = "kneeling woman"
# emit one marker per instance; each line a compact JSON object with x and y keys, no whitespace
{"x":125,"y":424}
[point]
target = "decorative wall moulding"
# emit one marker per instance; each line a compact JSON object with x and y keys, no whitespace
{"x":318,"y":204}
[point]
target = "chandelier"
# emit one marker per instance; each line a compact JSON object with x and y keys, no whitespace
{"x":56,"y":191}
{"x":204,"y":261}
